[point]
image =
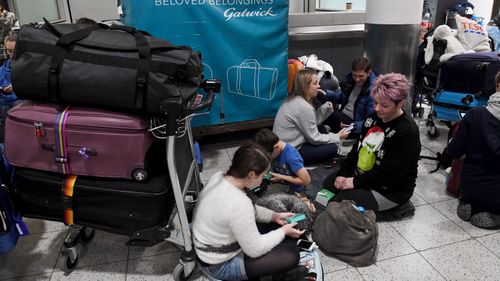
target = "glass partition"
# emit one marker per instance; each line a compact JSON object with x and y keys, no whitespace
{"x":34,"y":11}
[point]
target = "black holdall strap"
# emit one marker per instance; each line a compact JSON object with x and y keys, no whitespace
{"x":55,"y":66}
{"x":128,"y":29}
{"x":143,"y":66}
{"x":50,"y":28}
{"x":69,"y":38}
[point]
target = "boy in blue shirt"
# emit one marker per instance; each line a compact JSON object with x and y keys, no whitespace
{"x":287,"y":165}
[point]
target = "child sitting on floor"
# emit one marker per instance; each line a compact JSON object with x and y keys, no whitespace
{"x":287,"y":165}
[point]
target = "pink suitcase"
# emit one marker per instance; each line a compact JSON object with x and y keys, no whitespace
{"x":77,"y":140}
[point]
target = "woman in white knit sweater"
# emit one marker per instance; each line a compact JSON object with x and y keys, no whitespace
{"x":297,"y":121}
{"x":226,"y":237}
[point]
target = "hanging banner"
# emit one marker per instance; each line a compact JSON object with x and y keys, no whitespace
{"x":244,"y":43}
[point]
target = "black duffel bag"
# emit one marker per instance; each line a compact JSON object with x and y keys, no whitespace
{"x":115,"y":67}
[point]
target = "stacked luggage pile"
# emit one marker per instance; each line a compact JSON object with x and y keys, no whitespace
{"x":456,"y":68}
{"x":103,"y":138}
{"x":465,"y":81}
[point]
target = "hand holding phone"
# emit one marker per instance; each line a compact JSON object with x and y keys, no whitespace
{"x":350,"y":128}
{"x":306,"y":244}
{"x":298,"y":217}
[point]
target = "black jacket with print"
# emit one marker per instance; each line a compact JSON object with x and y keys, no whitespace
{"x":396,"y":165}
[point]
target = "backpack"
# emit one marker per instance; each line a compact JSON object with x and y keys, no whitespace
{"x":293,"y":67}
{"x":347,"y":234}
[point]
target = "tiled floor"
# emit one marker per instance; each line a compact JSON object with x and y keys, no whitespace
{"x":433,"y":245}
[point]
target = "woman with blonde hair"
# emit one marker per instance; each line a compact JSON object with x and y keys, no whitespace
{"x":297,"y":121}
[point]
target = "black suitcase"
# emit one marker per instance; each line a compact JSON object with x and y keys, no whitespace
{"x":471,"y":73}
{"x":116,"y":206}
{"x":114,"y":67}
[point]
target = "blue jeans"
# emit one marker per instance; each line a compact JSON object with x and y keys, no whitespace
{"x":313,"y":154}
{"x":233,"y":269}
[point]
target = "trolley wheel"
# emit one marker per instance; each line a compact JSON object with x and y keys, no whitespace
{"x":432,"y":131}
{"x":421,"y":112}
{"x":70,"y":265}
{"x":87,"y":235}
{"x":178,"y":273}
{"x":139,"y":174}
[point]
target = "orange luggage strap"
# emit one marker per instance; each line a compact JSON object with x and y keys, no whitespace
{"x":68,"y":190}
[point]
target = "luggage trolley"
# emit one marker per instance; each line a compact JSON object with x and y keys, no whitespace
{"x":179,"y":134}
{"x":185,"y":181}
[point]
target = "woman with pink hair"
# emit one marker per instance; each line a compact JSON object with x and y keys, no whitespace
{"x":380,"y":171}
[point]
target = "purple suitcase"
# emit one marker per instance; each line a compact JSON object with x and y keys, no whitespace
{"x":77,"y":140}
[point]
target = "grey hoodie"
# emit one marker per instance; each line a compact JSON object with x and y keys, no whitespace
{"x":494,"y":105}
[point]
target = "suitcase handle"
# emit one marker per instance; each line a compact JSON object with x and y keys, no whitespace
{"x":84,"y":151}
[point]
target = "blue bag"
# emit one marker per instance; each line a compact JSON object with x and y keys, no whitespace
{"x":11,"y":223}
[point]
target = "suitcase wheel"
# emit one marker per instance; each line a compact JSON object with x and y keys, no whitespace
{"x":432,"y":131}
{"x":421,"y":112}
{"x":139,"y":174}
{"x":70,"y":264}
{"x":179,"y":274}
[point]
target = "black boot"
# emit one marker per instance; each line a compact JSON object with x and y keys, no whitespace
{"x":400,"y":212}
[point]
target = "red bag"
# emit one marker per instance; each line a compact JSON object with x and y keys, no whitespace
{"x":453,"y":184}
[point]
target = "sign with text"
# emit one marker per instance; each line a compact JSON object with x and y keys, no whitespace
{"x":244,"y":43}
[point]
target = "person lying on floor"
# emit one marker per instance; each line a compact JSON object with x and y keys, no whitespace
{"x":478,"y":138}
{"x":225,"y":233}
{"x":287,"y":165}
{"x":297,"y":121}
{"x":381,"y":169}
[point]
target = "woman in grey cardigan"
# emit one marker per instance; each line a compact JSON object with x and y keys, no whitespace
{"x":297,"y":121}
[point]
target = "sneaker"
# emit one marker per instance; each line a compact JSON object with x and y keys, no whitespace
{"x":464,"y":210}
{"x":485,"y":220}
{"x":400,"y":212}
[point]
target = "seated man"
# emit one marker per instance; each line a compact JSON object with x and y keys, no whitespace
{"x":7,"y":96}
{"x":287,"y":165}
{"x":354,"y":98}
{"x":381,"y":169}
{"x":478,"y":138}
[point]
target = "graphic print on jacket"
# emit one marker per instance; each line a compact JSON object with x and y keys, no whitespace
{"x":369,"y":147}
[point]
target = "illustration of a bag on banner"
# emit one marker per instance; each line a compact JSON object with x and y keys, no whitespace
{"x":251,"y":79}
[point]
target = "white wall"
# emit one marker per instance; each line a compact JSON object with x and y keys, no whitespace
{"x":483,"y":8}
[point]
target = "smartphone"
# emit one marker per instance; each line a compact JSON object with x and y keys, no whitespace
{"x":350,"y":128}
{"x":306,"y":244}
{"x":298,"y":217}
{"x":267,"y":176}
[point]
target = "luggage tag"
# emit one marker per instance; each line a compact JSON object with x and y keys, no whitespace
{"x":39,"y":129}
